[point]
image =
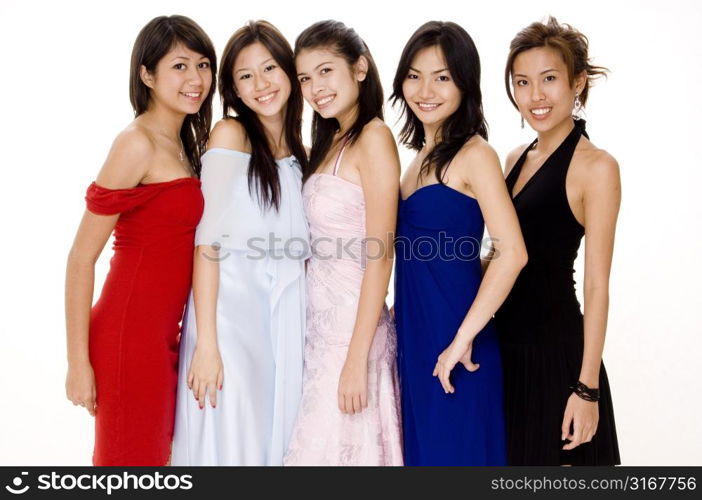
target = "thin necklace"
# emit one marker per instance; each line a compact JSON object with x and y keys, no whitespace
{"x":181,"y":153}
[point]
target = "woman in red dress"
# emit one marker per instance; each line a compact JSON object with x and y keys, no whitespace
{"x":123,"y":355}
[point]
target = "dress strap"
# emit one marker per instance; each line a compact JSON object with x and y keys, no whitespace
{"x":338,"y":157}
{"x":517,"y":168}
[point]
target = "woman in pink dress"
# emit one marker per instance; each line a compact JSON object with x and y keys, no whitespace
{"x":349,"y":414}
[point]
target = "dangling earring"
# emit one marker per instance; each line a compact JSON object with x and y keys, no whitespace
{"x":577,"y":106}
{"x":522,"y":117}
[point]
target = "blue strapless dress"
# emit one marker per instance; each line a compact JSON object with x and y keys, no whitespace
{"x":437,"y":277}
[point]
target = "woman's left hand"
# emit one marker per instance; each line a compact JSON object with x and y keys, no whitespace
{"x":584,"y":415}
{"x":353,"y":386}
{"x":455,"y":353}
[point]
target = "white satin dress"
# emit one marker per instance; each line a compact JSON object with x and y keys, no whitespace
{"x":260,"y":319}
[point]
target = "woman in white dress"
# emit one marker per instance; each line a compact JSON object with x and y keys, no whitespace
{"x":243,"y":333}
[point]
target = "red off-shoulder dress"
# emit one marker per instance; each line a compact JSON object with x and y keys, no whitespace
{"x":134,"y":326}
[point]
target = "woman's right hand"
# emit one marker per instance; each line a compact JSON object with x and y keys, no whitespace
{"x":80,"y":386}
{"x":456,"y":352}
{"x":206,"y":373}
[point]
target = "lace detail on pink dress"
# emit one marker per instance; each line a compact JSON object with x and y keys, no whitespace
{"x":323,"y":435}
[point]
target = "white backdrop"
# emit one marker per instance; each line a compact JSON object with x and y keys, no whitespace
{"x":64,"y":79}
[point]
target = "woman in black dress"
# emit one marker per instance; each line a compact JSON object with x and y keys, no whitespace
{"x":558,"y":406}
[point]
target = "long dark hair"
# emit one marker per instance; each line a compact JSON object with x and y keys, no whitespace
{"x":569,"y":42}
{"x":263,"y":171}
{"x":468,"y":120}
{"x":154,"y":41}
{"x":345,"y":43}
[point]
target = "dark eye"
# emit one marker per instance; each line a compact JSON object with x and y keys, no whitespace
{"x":324,"y":71}
{"x":550,"y":78}
{"x":520,"y":83}
{"x":303,"y":79}
{"x":444,"y":78}
{"x":269,"y":67}
{"x":204,"y":65}
{"x":412,"y":76}
{"x":179,"y":66}
{"x":245,"y":76}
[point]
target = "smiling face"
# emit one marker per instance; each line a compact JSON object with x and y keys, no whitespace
{"x":260,"y":82}
{"x":541,"y":88}
{"x":329,"y":84}
{"x":181,"y":80}
{"x":429,"y":89}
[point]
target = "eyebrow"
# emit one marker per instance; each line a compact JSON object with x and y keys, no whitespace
{"x":548,"y":70}
{"x":264,"y":62}
{"x":433,"y":72}
{"x":187,"y":58}
{"x":316,"y":67}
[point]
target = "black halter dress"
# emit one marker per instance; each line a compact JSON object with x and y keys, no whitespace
{"x":540,"y":325}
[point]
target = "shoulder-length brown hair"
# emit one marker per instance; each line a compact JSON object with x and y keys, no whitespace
{"x":154,"y":41}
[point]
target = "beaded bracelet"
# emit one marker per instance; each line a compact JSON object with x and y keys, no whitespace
{"x":584,"y":392}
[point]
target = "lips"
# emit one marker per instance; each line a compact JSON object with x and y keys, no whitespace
{"x":541,"y":112}
{"x":323,"y":101}
{"x":265,"y":99}
{"x":427,"y":106}
{"x":193,"y":96}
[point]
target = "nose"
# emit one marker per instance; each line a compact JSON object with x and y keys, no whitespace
{"x":194,"y":77}
{"x":426,"y":90}
{"x":537,"y":93}
{"x":317,"y":85}
{"x":260,"y":83}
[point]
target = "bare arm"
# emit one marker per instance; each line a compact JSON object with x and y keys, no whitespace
{"x":601,"y":200}
{"x":125,"y":166}
{"x":511,"y":159}
{"x":485,"y":177}
{"x":206,"y":371}
{"x":380,"y":179}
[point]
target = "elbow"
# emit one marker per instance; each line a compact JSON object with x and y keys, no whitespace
{"x":522,"y":258}
{"x":515,"y":257}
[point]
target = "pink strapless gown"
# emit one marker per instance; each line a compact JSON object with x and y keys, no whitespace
{"x":323,"y":435}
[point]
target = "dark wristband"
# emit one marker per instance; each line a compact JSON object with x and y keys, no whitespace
{"x":584,"y":392}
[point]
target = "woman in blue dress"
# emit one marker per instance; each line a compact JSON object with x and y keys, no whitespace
{"x":448,"y":355}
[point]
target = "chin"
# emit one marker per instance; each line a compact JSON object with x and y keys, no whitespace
{"x":327,"y":114}
{"x":268,"y":112}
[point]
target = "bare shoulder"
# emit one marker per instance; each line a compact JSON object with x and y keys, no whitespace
{"x":475,"y":155}
{"x":375,"y":134}
{"x":128,"y":161}
{"x":595,"y":164}
{"x":376,"y":152}
{"x":229,"y":133}
{"x":476,"y":148}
